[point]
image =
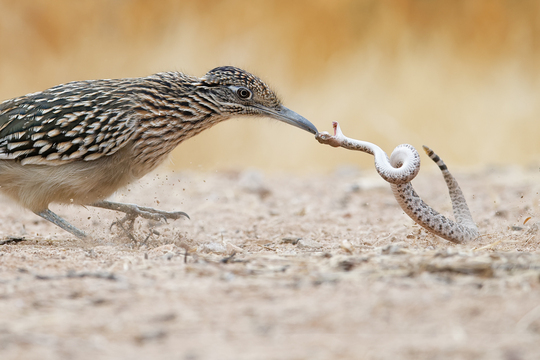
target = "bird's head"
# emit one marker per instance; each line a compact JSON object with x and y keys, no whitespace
{"x":238,"y":92}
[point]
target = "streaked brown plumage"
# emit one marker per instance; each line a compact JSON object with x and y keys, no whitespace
{"x":80,"y":142}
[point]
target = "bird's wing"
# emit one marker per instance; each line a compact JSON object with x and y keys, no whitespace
{"x":74,"y":121}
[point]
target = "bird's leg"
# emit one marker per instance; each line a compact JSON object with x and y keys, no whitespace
{"x":132,"y":211}
{"x":57,"y":220}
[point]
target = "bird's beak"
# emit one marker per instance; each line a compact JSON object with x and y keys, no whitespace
{"x":290,"y":117}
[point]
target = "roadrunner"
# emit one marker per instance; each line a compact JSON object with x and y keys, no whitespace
{"x":79,"y":142}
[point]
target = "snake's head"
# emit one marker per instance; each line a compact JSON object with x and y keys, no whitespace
{"x":332,"y":140}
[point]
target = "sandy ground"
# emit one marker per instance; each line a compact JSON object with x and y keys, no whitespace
{"x":277,"y":267}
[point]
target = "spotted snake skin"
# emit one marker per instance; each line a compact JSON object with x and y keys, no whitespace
{"x":399,"y":169}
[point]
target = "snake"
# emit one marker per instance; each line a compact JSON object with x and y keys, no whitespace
{"x":399,"y":170}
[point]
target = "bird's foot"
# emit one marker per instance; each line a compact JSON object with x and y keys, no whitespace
{"x":133,"y":211}
{"x":129,"y":219}
{"x":129,"y":231}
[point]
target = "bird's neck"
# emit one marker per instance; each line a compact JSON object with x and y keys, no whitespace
{"x":171,"y":109}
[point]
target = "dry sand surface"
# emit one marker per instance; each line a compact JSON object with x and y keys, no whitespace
{"x":277,"y":267}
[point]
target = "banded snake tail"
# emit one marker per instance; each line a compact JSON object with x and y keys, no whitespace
{"x":399,"y":169}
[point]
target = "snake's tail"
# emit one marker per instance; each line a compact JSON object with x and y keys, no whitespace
{"x":435,"y":158}
{"x":461,"y":210}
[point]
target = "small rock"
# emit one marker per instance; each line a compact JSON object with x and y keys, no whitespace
{"x":307,"y":244}
{"x":347,"y":246}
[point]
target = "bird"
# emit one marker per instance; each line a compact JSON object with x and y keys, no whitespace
{"x":79,"y":142}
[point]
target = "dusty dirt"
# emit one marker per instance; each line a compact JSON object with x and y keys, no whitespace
{"x":277,"y":267}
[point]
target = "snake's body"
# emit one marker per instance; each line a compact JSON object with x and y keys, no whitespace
{"x":402,"y":166}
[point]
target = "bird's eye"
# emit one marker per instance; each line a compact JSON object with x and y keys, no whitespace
{"x":243,"y":93}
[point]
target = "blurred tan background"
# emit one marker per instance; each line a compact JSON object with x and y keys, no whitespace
{"x":460,"y":76}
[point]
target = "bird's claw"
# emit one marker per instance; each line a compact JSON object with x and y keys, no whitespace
{"x":120,"y":222}
{"x":157,"y":215}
